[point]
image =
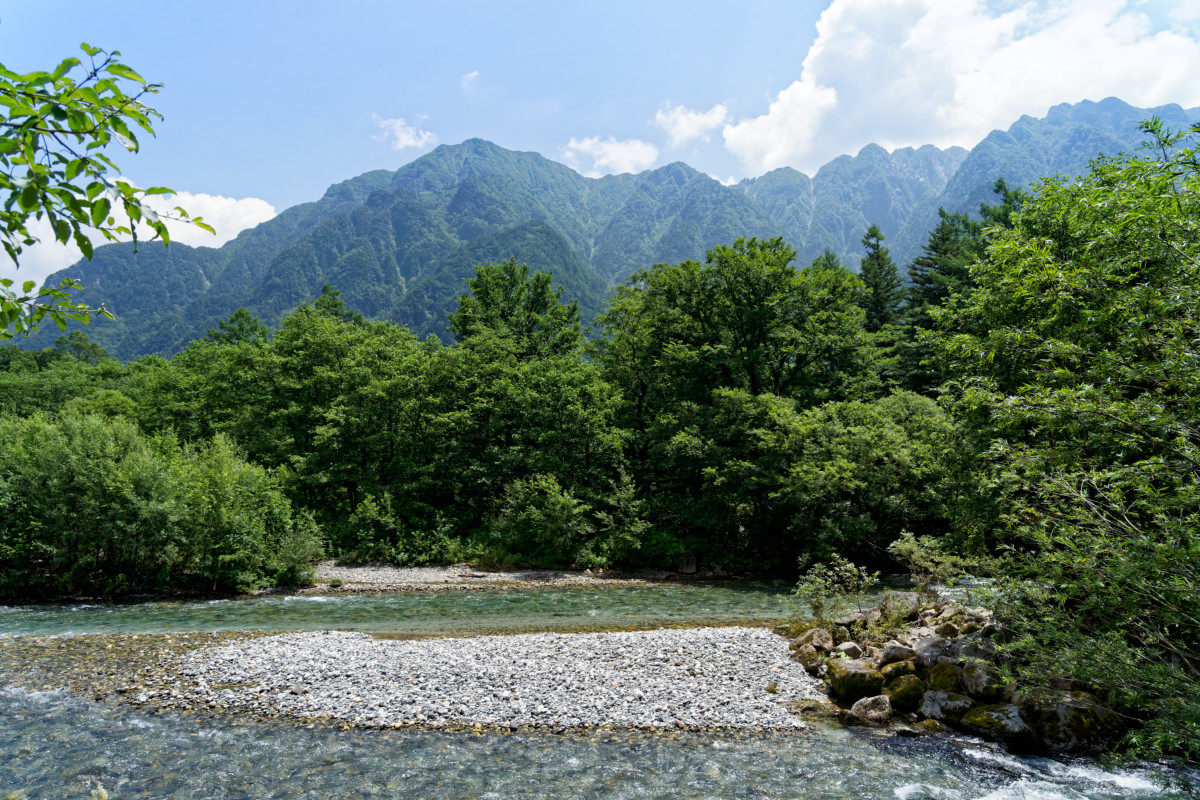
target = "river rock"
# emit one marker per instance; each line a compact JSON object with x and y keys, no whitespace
{"x":905,"y":692}
{"x":933,"y":649}
{"x":945,"y":706}
{"x":1002,"y":723}
{"x":860,"y":617}
{"x":872,"y":710}
{"x":894,"y":651}
{"x":892,"y":671}
{"x":849,"y":649}
{"x":901,"y":605}
{"x":974,"y":646}
{"x":981,"y":679}
{"x":1068,"y":721}
{"x":808,"y":657}
{"x":819,"y":638}
{"x":947,"y":630}
{"x":851,"y":679}
{"x":944,"y":677}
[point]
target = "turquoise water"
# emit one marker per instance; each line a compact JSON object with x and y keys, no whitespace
{"x":53,"y":744}
{"x":420,"y":613}
{"x":59,"y":746}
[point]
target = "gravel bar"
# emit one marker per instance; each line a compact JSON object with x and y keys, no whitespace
{"x":380,"y":578}
{"x":696,"y":679}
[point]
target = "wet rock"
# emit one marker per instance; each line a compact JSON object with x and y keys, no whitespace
{"x":945,"y":706}
{"x":894,"y":651}
{"x":892,"y":671}
{"x":905,"y":692}
{"x":808,"y":657}
{"x":851,"y":679}
{"x":1001,"y":723}
{"x":1068,"y":721}
{"x":944,"y":677}
{"x":872,"y":710}
{"x":849,"y":649}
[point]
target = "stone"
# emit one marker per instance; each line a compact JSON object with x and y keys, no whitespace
{"x":687,"y":566}
{"x":814,"y":707}
{"x":1072,"y":722}
{"x":860,"y":617}
{"x":872,"y":710}
{"x":947,"y":630}
{"x":974,"y":646}
{"x":894,"y":670}
{"x":808,"y":657}
{"x":1002,"y":723}
{"x":894,"y":651}
{"x":981,"y":679}
{"x":905,"y":692}
{"x":819,"y":638}
{"x":851,"y":679}
{"x":933,"y":649}
{"x":900,"y":605}
{"x":841,"y":634}
{"x":945,"y":706}
{"x":849,"y":649}
{"x":944,"y":677}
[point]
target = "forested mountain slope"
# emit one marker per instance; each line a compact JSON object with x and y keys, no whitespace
{"x":399,"y":245}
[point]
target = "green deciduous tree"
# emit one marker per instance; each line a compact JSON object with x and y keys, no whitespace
{"x":1075,"y":357}
{"x":54,"y":130}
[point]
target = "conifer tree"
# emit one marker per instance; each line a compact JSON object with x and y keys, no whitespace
{"x":882,"y":280}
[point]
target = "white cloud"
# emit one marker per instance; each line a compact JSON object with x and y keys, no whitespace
{"x":469,"y":79}
{"x":228,"y":215}
{"x":683,"y":124}
{"x":910,"y":72}
{"x":400,"y":135}
{"x":611,"y":156}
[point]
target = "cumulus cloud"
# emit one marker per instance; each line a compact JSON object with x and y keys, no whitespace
{"x":683,"y":125}
{"x":402,"y":136}
{"x":469,"y":79}
{"x":610,"y":156}
{"x":229,"y":216}
{"x":908,"y":72}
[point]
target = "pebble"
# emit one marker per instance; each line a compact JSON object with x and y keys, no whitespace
{"x":698,"y":679}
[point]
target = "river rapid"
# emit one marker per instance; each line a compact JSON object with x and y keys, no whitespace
{"x":62,"y":743}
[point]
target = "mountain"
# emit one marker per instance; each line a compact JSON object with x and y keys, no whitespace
{"x":400,"y":245}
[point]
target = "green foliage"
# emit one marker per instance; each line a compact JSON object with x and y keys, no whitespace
{"x":928,"y":561}
{"x":91,"y":504}
{"x":242,"y":326}
{"x":1075,"y":355}
{"x":525,"y":312}
{"x":54,"y":128}
{"x":833,"y":587}
{"x":374,"y":534}
{"x":884,"y":287}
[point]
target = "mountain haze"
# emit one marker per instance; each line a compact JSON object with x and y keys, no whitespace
{"x":399,"y":245}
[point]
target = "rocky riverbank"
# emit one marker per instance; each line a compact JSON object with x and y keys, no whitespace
{"x":334,"y":578}
{"x":698,"y":679}
{"x":934,"y":665}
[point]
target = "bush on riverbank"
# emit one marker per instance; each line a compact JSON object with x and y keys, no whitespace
{"x":92,"y":505}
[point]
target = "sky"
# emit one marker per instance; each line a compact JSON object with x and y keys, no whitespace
{"x":266,"y":103}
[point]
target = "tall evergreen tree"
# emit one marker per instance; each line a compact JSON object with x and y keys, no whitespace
{"x":882,"y":279}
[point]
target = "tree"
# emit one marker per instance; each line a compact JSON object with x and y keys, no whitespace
{"x":1074,"y":359}
{"x":241,"y":326}
{"x":525,"y":311}
{"x":882,"y":279}
{"x":54,"y":128}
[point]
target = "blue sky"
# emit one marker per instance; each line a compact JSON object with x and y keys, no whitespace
{"x":267,"y":103}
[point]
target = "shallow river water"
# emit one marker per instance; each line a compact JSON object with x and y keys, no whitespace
{"x":55,"y":744}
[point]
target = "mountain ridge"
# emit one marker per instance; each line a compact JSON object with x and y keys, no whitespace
{"x":395,"y":242}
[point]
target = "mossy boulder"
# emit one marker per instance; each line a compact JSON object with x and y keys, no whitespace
{"x":808,"y":657}
{"x":875,"y":710}
{"x":851,"y":679}
{"x":945,"y":706}
{"x":894,"y":651}
{"x":892,"y":671}
{"x":900,"y":605}
{"x":1002,"y":723}
{"x":1073,"y":722}
{"x":905,"y":692}
{"x":819,"y":638}
{"x":944,"y":677}
{"x":981,"y":679}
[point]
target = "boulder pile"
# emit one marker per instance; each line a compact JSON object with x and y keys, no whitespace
{"x":939,"y":670}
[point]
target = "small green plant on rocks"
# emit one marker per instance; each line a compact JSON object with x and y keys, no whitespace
{"x":832,"y":588}
{"x":927,"y":562}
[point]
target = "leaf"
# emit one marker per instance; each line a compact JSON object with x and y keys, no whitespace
{"x":100,"y":209}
